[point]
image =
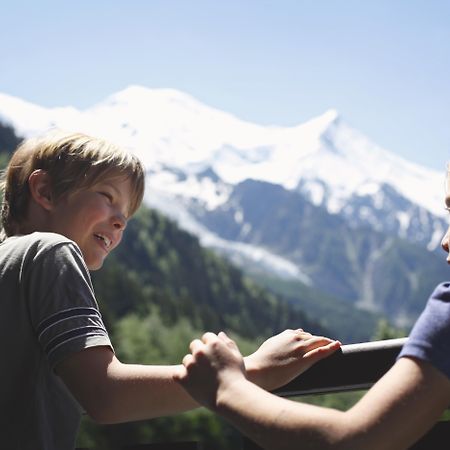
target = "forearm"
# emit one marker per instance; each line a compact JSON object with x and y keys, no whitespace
{"x":112,"y":392}
{"x":279,"y":424}
{"x":396,"y":412}
{"x":137,"y":392}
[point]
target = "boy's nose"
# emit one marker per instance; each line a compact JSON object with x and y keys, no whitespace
{"x":445,"y":244}
{"x":119,"y":222}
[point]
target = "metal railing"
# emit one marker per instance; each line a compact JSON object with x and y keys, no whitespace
{"x":354,"y":367}
{"x":160,"y":446}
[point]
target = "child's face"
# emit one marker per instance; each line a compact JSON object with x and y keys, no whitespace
{"x":446,"y":239}
{"x":94,"y":218}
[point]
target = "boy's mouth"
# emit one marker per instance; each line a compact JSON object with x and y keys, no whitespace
{"x":104,"y":238}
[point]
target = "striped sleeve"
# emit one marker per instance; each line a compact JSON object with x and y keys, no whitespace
{"x":62,"y":304}
{"x":75,"y":328}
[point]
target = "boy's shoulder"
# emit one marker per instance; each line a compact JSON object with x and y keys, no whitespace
{"x":38,"y":249}
{"x":38,"y":237}
{"x":39,"y":241}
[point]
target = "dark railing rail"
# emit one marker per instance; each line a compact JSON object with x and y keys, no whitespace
{"x":160,"y":446}
{"x":166,"y":446}
{"x":354,"y":366}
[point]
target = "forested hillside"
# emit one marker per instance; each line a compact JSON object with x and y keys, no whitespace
{"x":162,"y":267}
{"x":8,"y":143}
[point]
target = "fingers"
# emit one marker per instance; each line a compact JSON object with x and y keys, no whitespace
{"x":199,"y":347}
{"x":229,"y":342}
{"x":207,"y":337}
{"x":322,"y":351}
{"x":195,"y":345}
{"x":224,"y":336}
{"x":313,"y":342}
{"x":188,"y":360}
{"x":315,"y":346}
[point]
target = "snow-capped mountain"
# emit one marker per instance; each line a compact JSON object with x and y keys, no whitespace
{"x":175,"y":134}
{"x":199,"y":161}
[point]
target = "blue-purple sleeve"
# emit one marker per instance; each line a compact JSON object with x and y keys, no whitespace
{"x":429,"y":339}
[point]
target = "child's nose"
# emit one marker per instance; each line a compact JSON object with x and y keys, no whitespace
{"x":120,"y":222}
{"x":444,"y":242}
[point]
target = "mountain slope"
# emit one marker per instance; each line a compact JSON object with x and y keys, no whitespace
{"x":357,"y":206}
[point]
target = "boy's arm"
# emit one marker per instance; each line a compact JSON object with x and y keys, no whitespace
{"x":114,"y":392}
{"x":398,"y":409}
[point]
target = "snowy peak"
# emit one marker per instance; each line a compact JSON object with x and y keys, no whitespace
{"x":168,"y":128}
{"x":29,"y":119}
{"x":324,"y":123}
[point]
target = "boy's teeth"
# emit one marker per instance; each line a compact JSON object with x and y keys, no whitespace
{"x":104,"y":239}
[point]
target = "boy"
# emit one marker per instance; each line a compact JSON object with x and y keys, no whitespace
{"x":66,"y":202}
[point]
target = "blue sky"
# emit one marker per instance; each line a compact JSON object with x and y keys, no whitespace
{"x":383,"y":64}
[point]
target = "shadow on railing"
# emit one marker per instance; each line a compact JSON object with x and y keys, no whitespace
{"x":161,"y":446}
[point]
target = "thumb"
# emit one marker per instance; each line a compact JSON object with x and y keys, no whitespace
{"x":179,"y":374}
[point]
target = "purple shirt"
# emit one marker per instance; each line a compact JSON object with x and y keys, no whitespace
{"x":429,"y":339}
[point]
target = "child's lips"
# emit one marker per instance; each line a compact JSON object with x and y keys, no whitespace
{"x":107,"y":242}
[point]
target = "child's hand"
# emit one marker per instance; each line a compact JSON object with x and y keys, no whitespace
{"x":214,"y":362}
{"x":283,"y":357}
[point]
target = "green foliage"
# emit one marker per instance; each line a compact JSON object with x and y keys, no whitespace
{"x":341,"y":400}
{"x":149,"y":341}
{"x":8,"y":143}
{"x":199,"y":425}
{"x":385,"y":330}
{"x":4,"y":158}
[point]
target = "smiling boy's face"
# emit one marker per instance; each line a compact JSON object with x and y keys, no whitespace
{"x":94,"y":218}
{"x":445,"y":243}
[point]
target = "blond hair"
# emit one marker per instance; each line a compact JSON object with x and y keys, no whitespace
{"x":74,"y":162}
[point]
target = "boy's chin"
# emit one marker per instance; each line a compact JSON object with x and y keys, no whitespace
{"x":93,"y":266}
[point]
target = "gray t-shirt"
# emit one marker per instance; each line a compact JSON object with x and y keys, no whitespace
{"x":47,"y":311}
{"x":429,"y":339}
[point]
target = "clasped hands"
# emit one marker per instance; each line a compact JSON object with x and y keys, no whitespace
{"x":215,"y":361}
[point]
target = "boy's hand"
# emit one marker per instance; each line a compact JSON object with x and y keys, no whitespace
{"x":283,"y":357}
{"x":214,"y":362}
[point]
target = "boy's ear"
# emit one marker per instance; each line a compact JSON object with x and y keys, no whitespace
{"x":40,"y":188}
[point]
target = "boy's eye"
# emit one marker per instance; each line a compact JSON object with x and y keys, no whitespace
{"x":107,"y":195}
